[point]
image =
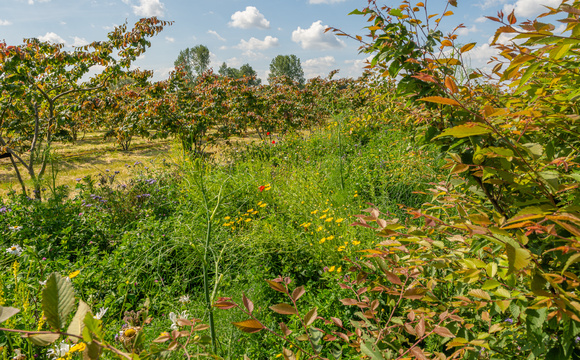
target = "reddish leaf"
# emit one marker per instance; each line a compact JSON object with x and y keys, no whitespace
{"x":348,"y":301}
{"x":249,"y":326}
{"x":336,"y":321}
{"x":276,"y":286}
{"x":224,"y":305}
{"x":310,"y":317}
{"x":283,"y":309}
{"x":443,"y":331}
{"x":440,"y":100}
{"x":418,"y":353}
{"x":285,"y":329}
{"x":298,"y":292}
{"x":248,"y":303}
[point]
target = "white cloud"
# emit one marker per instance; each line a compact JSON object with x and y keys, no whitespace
{"x":52,"y":37}
{"x":63,"y":23}
{"x":319,"y":66}
{"x":170,"y":39}
{"x":5,"y":22}
{"x":234,"y":62}
{"x":249,"y":18}
{"x":149,"y":8}
{"x":528,"y":8}
{"x":464,"y":31}
{"x":77,"y":41}
{"x":315,"y":37}
{"x":223,"y":47}
{"x":356,"y":67}
{"x":325,"y":1}
{"x":481,"y":19}
{"x":216,"y":34}
{"x":490,"y":3}
{"x":31,"y":2}
{"x":257,"y":44}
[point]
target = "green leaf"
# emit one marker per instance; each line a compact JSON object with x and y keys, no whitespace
{"x":490,"y":284}
{"x":41,"y":339}
{"x":7,"y":312}
{"x":571,"y":260}
{"x":92,"y":326}
{"x":396,"y":12}
{"x":368,"y":349}
{"x":518,"y":258}
{"x":92,"y":351}
{"x":465,"y":130}
{"x":478,"y":293}
{"x":529,"y":72}
{"x":77,"y":324}
{"x":57,"y":300}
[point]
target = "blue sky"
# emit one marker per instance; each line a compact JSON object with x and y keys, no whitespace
{"x":239,"y":32}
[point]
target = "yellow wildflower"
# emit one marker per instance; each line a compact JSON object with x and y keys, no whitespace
{"x":329,"y":219}
{"x":331,"y":269}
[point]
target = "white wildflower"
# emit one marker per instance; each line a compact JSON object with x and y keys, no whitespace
{"x":174,"y":317}
{"x":59,"y":351}
{"x":14,"y":250}
{"x":101,"y":313}
{"x":184,"y":299}
{"x":15,"y":228}
{"x":42,"y":283}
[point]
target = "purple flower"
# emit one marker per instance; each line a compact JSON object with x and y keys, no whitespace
{"x":577,"y":340}
{"x":78,"y":179}
{"x":43,"y":258}
{"x":509,"y":321}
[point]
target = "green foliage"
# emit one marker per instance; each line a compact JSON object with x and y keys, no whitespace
{"x":193,"y":62}
{"x":286,"y":66}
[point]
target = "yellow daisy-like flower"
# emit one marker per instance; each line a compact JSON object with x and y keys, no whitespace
{"x":262,"y":205}
{"x":227,"y":218}
{"x":330,"y":237}
{"x":354,"y":242}
{"x":331,"y":269}
{"x":323,"y":216}
{"x":320,"y":228}
{"x":329,"y":219}
{"x":340,"y":248}
{"x":313,"y":212}
{"x":339,"y":220}
{"x":322,"y":241}
{"x":339,"y":269}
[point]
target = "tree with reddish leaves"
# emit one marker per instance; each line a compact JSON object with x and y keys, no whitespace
{"x":41,"y":82}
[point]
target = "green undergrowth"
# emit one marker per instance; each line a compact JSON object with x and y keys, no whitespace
{"x":285,"y":209}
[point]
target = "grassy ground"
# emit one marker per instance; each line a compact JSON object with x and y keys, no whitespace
{"x":285,"y":209}
{"x":93,"y":155}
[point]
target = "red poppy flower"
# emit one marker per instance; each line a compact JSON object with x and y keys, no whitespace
{"x":262,"y":188}
{"x":273,"y":141}
{"x":268,"y":133}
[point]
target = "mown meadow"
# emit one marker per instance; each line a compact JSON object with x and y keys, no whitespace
{"x":424,"y":211}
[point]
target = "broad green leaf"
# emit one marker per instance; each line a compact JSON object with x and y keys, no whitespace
{"x":77,"y":324}
{"x":465,"y":130}
{"x":535,"y":318}
{"x":249,"y":326}
{"x":490,"y":284}
{"x":491,"y":269}
{"x":529,"y":72}
{"x":41,"y":339}
{"x":369,"y":350}
{"x":518,"y":258}
{"x":92,"y":327}
{"x":7,"y":312}
{"x":478,"y":293}
{"x":57,"y":300}
{"x":92,"y":351}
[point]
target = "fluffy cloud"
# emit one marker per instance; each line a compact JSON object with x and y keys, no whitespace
{"x":481,"y":19}
{"x":216,"y":35}
{"x":319,"y":66}
{"x":356,"y":66}
{"x":257,"y":44}
{"x":170,"y":39}
{"x":325,"y":1}
{"x":234,"y":62}
{"x":528,"y":8}
{"x":490,"y":3}
{"x":315,"y":37}
{"x":249,"y":18}
{"x":5,"y":22}
{"x":77,"y":41}
{"x":149,"y":8}
{"x":52,"y":37}
{"x":31,"y":2}
{"x":464,"y":31}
